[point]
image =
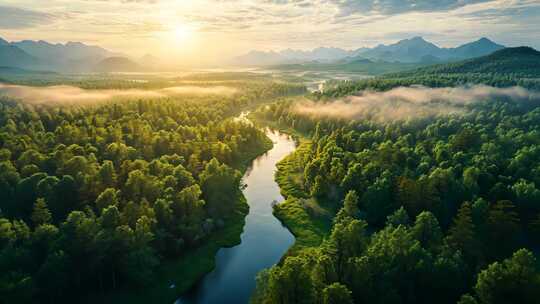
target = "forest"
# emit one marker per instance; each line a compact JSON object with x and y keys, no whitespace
{"x":420,"y":209}
{"x":417,"y":187}
{"x":270,"y":152}
{"x":95,"y":196}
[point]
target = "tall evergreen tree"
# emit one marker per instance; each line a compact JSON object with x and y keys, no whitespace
{"x":41,"y":214}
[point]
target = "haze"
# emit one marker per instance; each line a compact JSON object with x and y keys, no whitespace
{"x":404,"y":103}
{"x":64,"y":94}
{"x":206,"y":32}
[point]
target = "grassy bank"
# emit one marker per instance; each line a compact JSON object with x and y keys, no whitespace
{"x":308,"y":228}
{"x":189,"y":268}
{"x":307,"y":219}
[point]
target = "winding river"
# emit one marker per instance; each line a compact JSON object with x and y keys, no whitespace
{"x":263,"y":242}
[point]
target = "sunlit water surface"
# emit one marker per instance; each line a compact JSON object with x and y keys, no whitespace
{"x":264,"y":240}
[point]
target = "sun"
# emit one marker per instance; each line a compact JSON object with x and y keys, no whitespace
{"x":182,"y":33}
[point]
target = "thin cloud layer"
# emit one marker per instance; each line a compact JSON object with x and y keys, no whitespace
{"x":17,"y":18}
{"x":411,"y":102}
{"x":137,"y":27}
{"x":392,"y":7}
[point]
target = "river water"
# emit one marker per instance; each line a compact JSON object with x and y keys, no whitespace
{"x":264,"y":240}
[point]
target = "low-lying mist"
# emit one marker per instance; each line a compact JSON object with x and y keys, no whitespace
{"x":65,"y":94}
{"x":195,"y":90}
{"x":411,"y":102}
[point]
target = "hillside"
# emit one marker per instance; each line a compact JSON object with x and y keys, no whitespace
{"x":407,"y":50}
{"x":518,"y":66}
{"x":418,"y":50}
{"x":477,"y":48}
{"x":523,"y":61}
{"x":42,"y":55}
{"x":117,"y":64}
{"x":61,"y":52}
{"x":351,"y":65}
{"x":14,"y":57}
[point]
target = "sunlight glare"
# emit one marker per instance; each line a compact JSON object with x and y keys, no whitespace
{"x":182,"y":33}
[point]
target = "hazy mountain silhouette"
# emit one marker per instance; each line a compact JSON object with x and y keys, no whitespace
{"x":523,"y":61}
{"x":117,"y":64}
{"x":12,"y":56}
{"x":414,"y":50}
{"x":42,"y":55}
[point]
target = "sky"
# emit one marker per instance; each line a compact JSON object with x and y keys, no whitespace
{"x":207,"y":31}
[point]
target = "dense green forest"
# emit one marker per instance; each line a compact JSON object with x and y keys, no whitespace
{"x":253,"y":84}
{"x":128,"y":200}
{"x":441,"y":209}
{"x":505,"y":68}
{"x":360,"y":66}
{"x":94,"y":197}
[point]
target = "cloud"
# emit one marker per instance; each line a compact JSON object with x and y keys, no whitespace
{"x":411,"y":102}
{"x":232,"y":17}
{"x":380,"y":7}
{"x":18,"y":18}
{"x":393,"y":7}
{"x":128,"y":1}
{"x":529,"y":10}
{"x":136,"y":27}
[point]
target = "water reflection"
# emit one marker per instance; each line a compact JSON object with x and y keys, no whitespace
{"x":264,"y":239}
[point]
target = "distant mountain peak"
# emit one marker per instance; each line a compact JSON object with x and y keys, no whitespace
{"x":480,"y":47}
{"x":75,"y":43}
{"x":42,"y":42}
{"x":41,"y":54}
{"x":12,"y":56}
{"x":415,"y":40}
{"x":411,"y":50}
{"x":485,"y":40}
{"x":418,"y":38}
{"x":416,"y":43}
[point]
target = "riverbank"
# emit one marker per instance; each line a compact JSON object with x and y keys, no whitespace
{"x":264,"y":240}
{"x":307,"y":219}
{"x":185,"y":271}
{"x":298,"y":137}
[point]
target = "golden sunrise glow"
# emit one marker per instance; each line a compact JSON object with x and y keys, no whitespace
{"x":214,"y":32}
{"x":182,"y":33}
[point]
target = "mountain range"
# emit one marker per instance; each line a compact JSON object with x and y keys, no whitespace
{"x":80,"y":57}
{"x":414,"y":50}
{"x":511,"y":62}
{"x":68,"y":57}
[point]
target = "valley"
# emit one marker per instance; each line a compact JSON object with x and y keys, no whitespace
{"x":383,"y":172}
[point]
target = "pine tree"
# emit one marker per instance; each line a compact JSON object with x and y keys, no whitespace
{"x":503,"y":224}
{"x":350,"y":209}
{"x":427,"y":230}
{"x":461,"y":234}
{"x":399,"y":217}
{"x":41,"y":214}
{"x":350,"y":204}
{"x":337,"y":293}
